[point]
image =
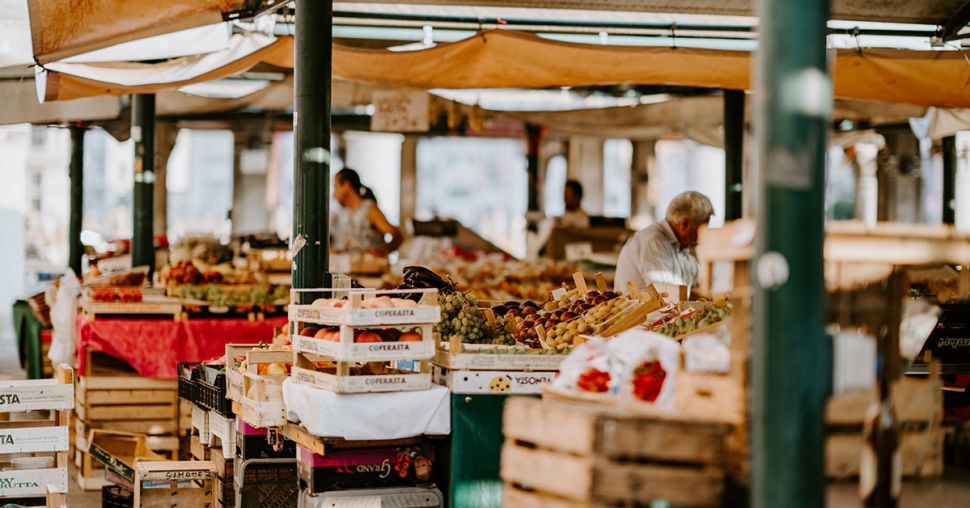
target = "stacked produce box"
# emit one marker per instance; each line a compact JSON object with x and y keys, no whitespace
{"x":113,"y":398}
{"x":364,"y":342}
{"x":213,"y":426}
{"x":589,"y":454}
{"x":35,"y":438}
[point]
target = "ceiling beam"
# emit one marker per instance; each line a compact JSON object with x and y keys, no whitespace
{"x":951,"y":29}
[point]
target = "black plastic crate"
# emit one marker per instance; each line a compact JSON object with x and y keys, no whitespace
{"x":114,"y":496}
{"x":256,"y":446}
{"x":266,"y":483}
{"x":210,"y":389}
{"x":187,"y":386}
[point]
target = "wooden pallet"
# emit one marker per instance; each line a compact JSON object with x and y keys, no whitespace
{"x":597,"y":455}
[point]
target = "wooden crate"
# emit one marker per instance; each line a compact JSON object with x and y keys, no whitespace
{"x":40,"y":430}
{"x":918,"y":404}
{"x":344,"y":377}
{"x":151,"y":305}
{"x":597,"y":455}
{"x":127,"y":398}
{"x":175,"y":484}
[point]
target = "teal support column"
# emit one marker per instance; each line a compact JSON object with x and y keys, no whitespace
{"x":143,"y":134}
{"x":733,"y":152}
{"x":75,"y":249}
{"x":791,"y":356}
{"x":311,"y":137}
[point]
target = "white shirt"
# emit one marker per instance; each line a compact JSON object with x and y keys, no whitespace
{"x":653,"y":255}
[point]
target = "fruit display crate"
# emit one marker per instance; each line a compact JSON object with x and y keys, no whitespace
{"x":408,"y":465}
{"x":455,"y":355}
{"x":346,"y":377}
{"x":366,"y":307}
{"x":258,"y":397}
{"x":151,"y":305}
{"x":347,"y":349}
{"x":510,"y":382}
{"x":34,"y":445}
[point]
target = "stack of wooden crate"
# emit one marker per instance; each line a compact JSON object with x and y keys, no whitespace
{"x":115,"y":399}
{"x":215,"y":452}
{"x":559,"y":454}
{"x":35,"y":442}
{"x":918,"y":404}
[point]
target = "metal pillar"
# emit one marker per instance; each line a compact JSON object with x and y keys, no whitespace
{"x":949,"y":179}
{"x":143,"y":134}
{"x":791,"y":357}
{"x":75,"y":249}
{"x":311,"y":136}
{"x":533,"y":134}
{"x":733,"y":152}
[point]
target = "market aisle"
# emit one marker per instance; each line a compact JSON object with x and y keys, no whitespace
{"x":77,"y":498}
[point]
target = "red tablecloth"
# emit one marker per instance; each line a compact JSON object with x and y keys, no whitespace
{"x":154,"y":347}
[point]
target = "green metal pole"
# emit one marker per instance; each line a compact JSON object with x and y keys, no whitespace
{"x":733,"y":152}
{"x":311,"y":137}
{"x":143,"y":134}
{"x":949,"y":179}
{"x":75,"y":249}
{"x":791,"y":356}
{"x":533,"y":134}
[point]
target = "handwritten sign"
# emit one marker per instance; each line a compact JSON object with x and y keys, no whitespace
{"x":400,"y":112}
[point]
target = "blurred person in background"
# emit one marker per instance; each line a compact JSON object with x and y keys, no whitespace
{"x":575,"y":216}
{"x":663,"y":253}
{"x":359,"y":226}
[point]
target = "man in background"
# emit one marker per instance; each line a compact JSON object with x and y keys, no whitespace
{"x":663,"y":253}
{"x":575,"y":216}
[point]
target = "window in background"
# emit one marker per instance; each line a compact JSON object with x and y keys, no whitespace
{"x":553,"y":186}
{"x":108,"y":173}
{"x":617,"y":164}
{"x":687,"y":165}
{"x":376,"y":156}
{"x":200,"y":184}
{"x":480,"y":182}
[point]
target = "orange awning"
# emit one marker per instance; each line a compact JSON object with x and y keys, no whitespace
{"x":61,"y":29}
{"x":508,"y":59}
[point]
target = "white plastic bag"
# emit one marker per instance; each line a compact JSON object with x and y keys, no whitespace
{"x":586,"y":357}
{"x":705,"y":352}
{"x":637,"y":348}
{"x":919,"y":320}
{"x":63,"y":317}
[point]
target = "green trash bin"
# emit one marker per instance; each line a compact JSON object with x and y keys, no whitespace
{"x":475,"y":452}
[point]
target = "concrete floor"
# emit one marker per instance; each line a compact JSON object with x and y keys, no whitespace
{"x":953,"y":491}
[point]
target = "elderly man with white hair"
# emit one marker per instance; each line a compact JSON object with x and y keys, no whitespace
{"x":664,"y":252}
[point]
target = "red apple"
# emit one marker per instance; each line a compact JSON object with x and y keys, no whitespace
{"x":368,"y":337}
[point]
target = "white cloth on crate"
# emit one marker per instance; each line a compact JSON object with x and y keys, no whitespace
{"x":653,"y":255}
{"x":368,"y":416}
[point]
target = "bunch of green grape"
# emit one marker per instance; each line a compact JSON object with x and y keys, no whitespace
{"x":502,"y":331}
{"x":461,"y":316}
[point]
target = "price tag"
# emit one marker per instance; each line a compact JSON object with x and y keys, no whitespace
{"x":340,"y":263}
{"x":558,"y":293}
{"x":578,"y":251}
